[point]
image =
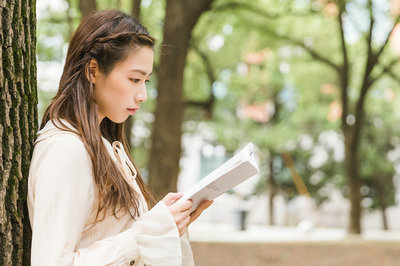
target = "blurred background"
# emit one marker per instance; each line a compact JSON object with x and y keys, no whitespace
{"x":314,"y":84}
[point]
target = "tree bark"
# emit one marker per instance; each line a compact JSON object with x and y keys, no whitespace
{"x":86,"y":7}
{"x":128,"y":124}
{"x":272,"y":188}
{"x":384,"y":218}
{"x":180,"y":18}
{"x":136,"y":9}
{"x":18,"y":125}
{"x":351,"y":167}
{"x":351,"y":139}
{"x":69,"y":20}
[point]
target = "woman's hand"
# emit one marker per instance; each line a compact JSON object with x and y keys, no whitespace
{"x":181,"y":210}
{"x":196,"y":213}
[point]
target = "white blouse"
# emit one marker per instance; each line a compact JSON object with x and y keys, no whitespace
{"x":62,"y":208}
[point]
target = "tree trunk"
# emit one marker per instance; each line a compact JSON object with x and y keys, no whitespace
{"x":86,"y":7}
{"x":272,"y":192}
{"x":118,"y":5}
{"x":180,"y":18}
{"x":136,"y":9}
{"x":69,"y":20}
{"x":129,"y":122}
{"x":353,"y":179}
{"x":384,"y":218}
{"x":18,"y":125}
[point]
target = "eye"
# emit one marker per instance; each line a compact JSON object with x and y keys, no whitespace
{"x":135,"y":80}
{"x":147,"y":81}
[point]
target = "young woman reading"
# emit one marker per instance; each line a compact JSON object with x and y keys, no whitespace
{"x":88,"y":204}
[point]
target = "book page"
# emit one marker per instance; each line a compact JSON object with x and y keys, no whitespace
{"x":230,"y":174}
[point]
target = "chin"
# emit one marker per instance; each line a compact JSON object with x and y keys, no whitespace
{"x":118,"y":120}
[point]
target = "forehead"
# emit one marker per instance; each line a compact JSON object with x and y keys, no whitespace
{"x":140,"y":58}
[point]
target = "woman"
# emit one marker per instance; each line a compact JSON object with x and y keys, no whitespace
{"x":87,"y":203}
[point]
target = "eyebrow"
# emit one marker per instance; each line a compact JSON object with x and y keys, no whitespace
{"x":144,"y":73}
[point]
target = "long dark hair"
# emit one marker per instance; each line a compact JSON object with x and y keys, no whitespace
{"x":108,"y":37}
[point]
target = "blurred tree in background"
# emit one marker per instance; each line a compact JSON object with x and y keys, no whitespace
{"x":180,"y":18}
{"x":318,"y":27}
{"x":301,"y":79}
{"x":377,"y":168}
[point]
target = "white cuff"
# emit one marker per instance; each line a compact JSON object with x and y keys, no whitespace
{"x":187,"y":254}
{"x":158,"y":238}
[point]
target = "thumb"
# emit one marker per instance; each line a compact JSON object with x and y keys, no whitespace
{"x":171,"y":197}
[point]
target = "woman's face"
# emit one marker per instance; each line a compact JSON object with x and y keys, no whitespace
{"x":120,"y":93}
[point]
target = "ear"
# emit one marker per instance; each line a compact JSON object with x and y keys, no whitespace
{"x":93,"y":70}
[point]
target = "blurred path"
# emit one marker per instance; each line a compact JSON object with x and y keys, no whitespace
{"x":222,"y":244}
{"x":339,"y":253}
{"x":305,"y":232}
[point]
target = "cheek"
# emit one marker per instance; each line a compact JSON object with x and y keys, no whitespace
{"x":118,"y":90}
{"x":110,"y":95}
{"x":123,"y":95}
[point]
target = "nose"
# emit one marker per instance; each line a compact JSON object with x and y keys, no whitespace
{"x":141,"y":96}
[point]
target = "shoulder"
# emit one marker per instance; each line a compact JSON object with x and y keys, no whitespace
{"x":61,"y":145}
{"x":60,"y":157}
{"x":58,"y":130}
{"x":59,"y":134}
{"x":55,"y":144}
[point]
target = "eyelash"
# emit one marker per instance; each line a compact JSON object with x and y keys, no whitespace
{"x":138,"y":80}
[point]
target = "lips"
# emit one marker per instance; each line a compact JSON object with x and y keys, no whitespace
{"x":132,"y":111}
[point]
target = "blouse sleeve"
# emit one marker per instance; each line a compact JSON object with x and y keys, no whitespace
{"x":60,"y":200}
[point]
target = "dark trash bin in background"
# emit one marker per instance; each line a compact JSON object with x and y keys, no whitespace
{"x":240,"y":219}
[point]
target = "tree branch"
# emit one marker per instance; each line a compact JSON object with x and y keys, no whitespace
{"x":263,"y":13}
{"x":384,"y":45}
{"x":375,"y":57}
{"x":207,"y":62}
{"x":372,"y":61}
{"x":344,"y":70}
{"x":371,"y":27}
{"x":198,"y":6}
{"x":390,"y":73}
{"x":311,"y":51}
{"x":259,"y":11}
{"x":367,"y":81}
{"x":385,"y":69}
{"x":208,"y":104}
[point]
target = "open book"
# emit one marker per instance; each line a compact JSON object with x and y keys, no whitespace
{"x":230,"y":174}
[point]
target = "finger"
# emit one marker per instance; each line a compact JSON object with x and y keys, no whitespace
{"x":196,"y":213}
{"x":204,"y":205}
{"x":182,"y":206}
{"x":181,"y":216}
{"x":183,"y":226}
{"x":171,"y":197}
{"x":187,"y":205}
